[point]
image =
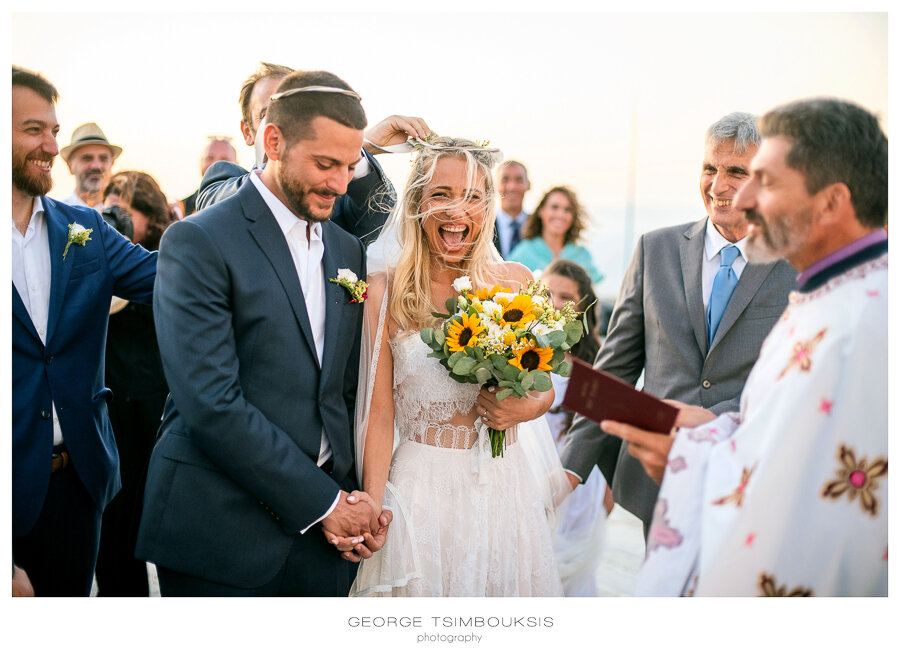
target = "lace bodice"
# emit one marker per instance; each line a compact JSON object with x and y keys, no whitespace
{"x":429,"y":406}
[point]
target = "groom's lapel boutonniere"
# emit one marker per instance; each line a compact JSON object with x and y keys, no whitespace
{"x":77,"y":235}
{"x":350,"y":282}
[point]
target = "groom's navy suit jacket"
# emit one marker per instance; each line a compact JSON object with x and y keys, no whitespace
{"x":68,"y":370}
{"x":233,"y":477}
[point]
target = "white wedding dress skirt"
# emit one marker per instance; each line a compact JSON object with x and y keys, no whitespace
{"x":464,"y":524}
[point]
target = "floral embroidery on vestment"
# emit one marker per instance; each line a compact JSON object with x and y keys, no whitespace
{"x":737,"y":496}
{"x":857,"y":479}
{"x":662,"y":535}
{"x":769,"y":589}
{"x":801,"y":357}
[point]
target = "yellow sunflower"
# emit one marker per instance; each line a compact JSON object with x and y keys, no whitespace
{"x":530,"y":357}
{"x":464,"y":332}
{"x":518,"y":312}
{"x":484,"y":293}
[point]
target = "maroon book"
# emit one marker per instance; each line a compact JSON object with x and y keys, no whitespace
{"x":599,"y":395}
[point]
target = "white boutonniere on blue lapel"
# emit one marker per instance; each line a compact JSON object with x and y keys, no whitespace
{"x":349,"y":281}
{"x":77,"y":235}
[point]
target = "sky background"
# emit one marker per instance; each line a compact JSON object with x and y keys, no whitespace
{"x":561,"y":92}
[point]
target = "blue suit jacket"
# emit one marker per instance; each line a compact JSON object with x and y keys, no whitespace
{"x":361,"y":211}
{"x":69,"y":370}
{"x":233,"y":477}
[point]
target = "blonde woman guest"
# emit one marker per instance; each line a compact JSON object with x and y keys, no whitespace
{"x":465,"y":524}
{"x":552,"y":232}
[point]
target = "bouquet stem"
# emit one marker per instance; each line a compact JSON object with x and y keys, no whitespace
{"x":498,"y":442}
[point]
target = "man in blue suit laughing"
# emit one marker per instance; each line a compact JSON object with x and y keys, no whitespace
{"x":67,"y":265}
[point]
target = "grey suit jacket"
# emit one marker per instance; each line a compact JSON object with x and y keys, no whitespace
{"x":658,"y":326}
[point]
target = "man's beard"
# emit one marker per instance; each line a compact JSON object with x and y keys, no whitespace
{"x":775,"y":238}
{"x":88,"y":185}
{"x":29,"y":182}
{"x":297,"y":199}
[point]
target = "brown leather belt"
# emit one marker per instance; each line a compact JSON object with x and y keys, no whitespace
{"x":59,"y":461}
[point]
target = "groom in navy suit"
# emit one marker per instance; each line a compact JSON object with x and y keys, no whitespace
{"x":255,"y":460}
{"x":67,"y":264}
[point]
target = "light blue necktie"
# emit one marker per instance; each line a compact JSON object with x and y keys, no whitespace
{"x":723,"y":286}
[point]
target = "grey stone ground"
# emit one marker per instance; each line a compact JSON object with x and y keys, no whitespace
{"x":619,"y":562}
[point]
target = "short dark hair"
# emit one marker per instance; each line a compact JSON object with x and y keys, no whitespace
{"x":511,"y":161}
{"x":834,"y":141}
{"x":36,"y":82}
{"x":534,"y":227}
{"x":264,"y":71}
{"x":294,"y":113}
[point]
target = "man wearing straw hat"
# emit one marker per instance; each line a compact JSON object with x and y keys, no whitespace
{"x":90,"y":158}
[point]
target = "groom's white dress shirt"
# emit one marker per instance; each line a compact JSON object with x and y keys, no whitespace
{"x":307,"y":255}
{"x":31,"y":276}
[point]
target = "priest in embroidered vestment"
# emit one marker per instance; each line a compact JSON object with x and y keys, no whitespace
{"x":789,"y":496}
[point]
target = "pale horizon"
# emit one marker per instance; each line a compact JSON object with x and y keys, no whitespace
{"x":556,"y":91}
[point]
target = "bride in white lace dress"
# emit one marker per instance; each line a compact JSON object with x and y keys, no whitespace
{"x":464,"y":524}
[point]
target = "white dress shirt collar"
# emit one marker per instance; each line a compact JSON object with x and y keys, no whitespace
{"x":283,"y":215}
{"x":715,"y":242}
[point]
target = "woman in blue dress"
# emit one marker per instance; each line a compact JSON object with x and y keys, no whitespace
{"x":552,"y":232}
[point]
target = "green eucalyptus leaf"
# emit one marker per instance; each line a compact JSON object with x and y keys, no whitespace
{"x":564,"y":369}
{"x":573,"y":331}
{"x":542,"y":382}
{"x":439,"y":337}
{"x":464,"y":366}
{"x":511,"y":373}
{"x":556,"y":338}
{"x":482,"y":375}
{"x":500,"y":363}
{"x":503,"y":393}
{"x":455,"y":357}
{"x":541,"y":341}
{"x":427,"y":335}
{"x":528,"y":380}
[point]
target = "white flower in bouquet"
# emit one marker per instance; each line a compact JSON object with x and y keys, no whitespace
{"x":462,"y":284}
{"x":491,"y":309}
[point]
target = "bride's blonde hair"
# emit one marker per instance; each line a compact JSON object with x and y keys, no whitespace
{"x":410,"y":296}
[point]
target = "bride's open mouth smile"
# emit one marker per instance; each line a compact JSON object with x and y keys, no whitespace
{"x":454,"y":236}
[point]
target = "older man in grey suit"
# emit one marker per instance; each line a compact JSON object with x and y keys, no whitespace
{"x":691,"y":315}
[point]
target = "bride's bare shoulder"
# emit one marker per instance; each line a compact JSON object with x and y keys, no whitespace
{"x":512,"y":272}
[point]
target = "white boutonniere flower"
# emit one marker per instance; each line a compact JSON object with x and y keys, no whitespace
{"x":77,"y":235}
{"x":358,"y":290}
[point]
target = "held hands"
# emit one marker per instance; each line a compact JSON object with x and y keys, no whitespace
{"x":370,"y":536}
{"x":651,"y":449}
{"x":394,"y":130}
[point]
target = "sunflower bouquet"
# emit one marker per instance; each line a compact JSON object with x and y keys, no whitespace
{"x":497,"y":337}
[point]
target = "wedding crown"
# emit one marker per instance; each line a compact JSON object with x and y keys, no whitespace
{"x":418,"y":144}
{"x":314,"y":89}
